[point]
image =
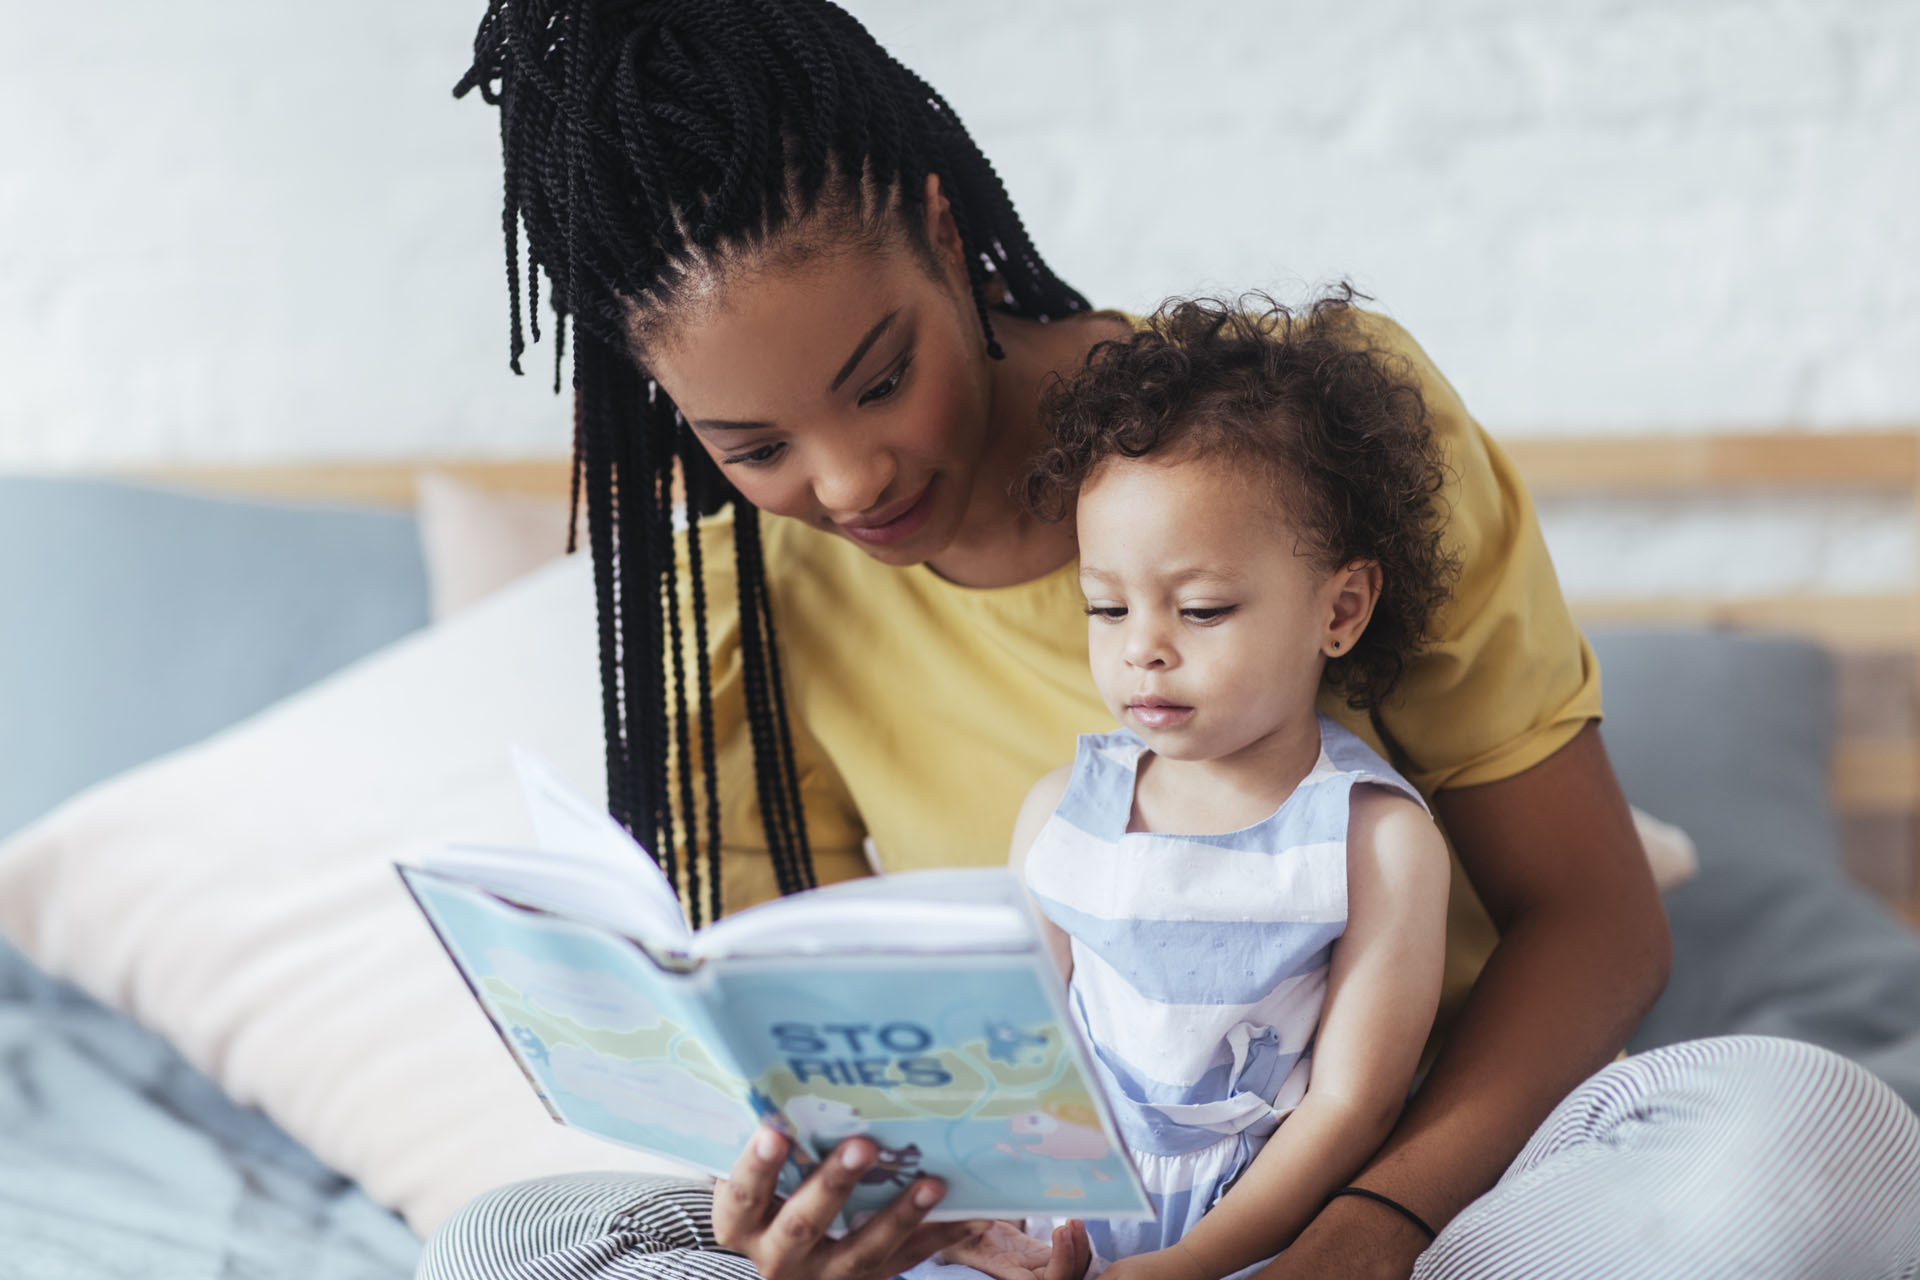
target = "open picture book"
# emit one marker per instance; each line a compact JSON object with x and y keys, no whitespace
{"x":922,"y":1010}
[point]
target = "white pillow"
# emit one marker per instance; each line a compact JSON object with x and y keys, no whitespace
{"x":475,"y":541}
{"x":1670,"y":851}
{"x":239,"y":898}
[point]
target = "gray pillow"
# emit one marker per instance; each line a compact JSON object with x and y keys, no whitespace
{"x":138,"y":620}
{"x":1729,"y":736}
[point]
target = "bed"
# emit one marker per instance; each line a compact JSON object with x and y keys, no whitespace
{"x":154,"y":611}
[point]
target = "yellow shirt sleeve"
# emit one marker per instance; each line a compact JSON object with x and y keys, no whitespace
{"x":834,"y":828}
{"x":1507,"y":679}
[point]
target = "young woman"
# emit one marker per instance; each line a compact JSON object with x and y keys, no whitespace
{"x":800,"y":297}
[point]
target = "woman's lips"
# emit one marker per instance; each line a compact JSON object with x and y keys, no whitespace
{"x":1158,"y":713}
{"x":903,"y":522}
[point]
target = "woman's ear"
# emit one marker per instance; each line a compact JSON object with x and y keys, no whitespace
{"x":943,"y":233}
{"x":1351,"y":593}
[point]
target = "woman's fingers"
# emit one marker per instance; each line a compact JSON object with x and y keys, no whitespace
{"x":922,"y":1244}
{"x":784,"y":1250}
{"x":895,"y":1238}
{"x":745,"y":1199}
{"x":789,"y":1241}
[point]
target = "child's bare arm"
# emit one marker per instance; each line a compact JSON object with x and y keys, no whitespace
{"x":1039,"y":805}
{"x":1382,"y":991}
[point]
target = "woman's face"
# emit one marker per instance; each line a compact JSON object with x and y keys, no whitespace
{"x":850,"y":390}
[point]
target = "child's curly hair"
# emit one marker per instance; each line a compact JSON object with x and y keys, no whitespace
{"x":1340,"y":424}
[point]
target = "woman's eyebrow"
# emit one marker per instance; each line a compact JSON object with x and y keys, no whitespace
{"x":846,"y":371}
{"x":860,"y":352}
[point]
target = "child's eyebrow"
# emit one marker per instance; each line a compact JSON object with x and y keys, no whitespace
{"x":1185,"y":576}
{"x":1179,"y":577}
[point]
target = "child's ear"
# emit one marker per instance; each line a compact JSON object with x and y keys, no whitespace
{"x":1352,"y":591}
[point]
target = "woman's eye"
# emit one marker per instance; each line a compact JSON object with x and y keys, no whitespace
{"x":884,"y":388}
{"x":755,"y":457}
{"x":1208,"y":613}
{"x":1107,"y":612}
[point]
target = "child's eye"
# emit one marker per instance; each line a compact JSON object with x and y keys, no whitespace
{"x":755,"y":457}
{"x":1107,"y":612}
{"x":888,"y":385}
{"x":1208,"y":613}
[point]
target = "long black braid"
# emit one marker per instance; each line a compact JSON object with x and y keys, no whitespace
{"x":643,"y":141}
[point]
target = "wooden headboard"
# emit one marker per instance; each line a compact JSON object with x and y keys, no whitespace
{"x":1875,"y":638}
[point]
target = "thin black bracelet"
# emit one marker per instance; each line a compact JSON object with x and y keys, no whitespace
{"x":1394,"y":1205}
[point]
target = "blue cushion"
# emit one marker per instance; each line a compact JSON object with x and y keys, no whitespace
{"x":139,"y":620}
{"x":1730,"y":736}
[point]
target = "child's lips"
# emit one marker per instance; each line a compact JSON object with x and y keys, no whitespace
{"x":1158,"y":713}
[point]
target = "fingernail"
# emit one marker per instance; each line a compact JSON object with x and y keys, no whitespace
{"x":927,"y":1195}
{"x":766,"y":1146}
{"x":853,"y":1157}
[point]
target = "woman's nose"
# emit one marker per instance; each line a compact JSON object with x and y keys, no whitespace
{"x":851,"y":482}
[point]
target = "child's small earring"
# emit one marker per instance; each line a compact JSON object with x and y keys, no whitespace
{"x":1336,"y":646}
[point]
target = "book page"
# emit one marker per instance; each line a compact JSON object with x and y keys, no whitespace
{"x":566,"y":822}
{"x":611,"y":1043}
{"x":972,"y":910}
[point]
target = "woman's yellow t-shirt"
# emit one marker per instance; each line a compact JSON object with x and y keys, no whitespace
{"x":923,"y":711}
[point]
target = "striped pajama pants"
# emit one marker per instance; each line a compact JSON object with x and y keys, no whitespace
{"x":1742,"y":1156}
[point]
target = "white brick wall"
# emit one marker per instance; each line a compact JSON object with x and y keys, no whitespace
{"x":235,"y":230}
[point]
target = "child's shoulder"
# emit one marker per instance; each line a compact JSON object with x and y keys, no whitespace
{"x":1369,"y":772}
{"x":1046,"y":793}
{"x":1116,"y":751}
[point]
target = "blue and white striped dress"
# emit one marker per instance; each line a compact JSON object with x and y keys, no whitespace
{"x":1199,"y":965}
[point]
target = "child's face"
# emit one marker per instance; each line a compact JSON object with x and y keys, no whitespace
{"x":1206,"y":630}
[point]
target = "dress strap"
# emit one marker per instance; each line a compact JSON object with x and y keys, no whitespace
{"x":1101,"y":786}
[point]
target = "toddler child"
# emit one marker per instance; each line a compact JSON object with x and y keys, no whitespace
{"x":1248,"y":901}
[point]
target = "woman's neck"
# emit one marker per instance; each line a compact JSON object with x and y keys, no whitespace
{"x":1000,"y":544}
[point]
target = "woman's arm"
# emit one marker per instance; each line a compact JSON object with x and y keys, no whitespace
{"x":1583,"y":952}
{"x":1381,"y":994}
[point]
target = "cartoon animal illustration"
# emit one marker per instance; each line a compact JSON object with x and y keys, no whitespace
{"x":823,"y":1120}
{"x":897,"y":1166}
{"x":1061,"y":1131}
{"x":531,"y":1045}
{"x":1005,"y":1042}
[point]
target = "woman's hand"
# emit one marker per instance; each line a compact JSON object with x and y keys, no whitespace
{"x":1005,"y":1252}
{"x":787,"y":1240}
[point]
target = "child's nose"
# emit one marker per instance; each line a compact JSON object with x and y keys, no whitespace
{"x":1147,"y":648}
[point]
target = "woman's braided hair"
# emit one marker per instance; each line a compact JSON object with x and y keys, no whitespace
{"x":643,"y":143}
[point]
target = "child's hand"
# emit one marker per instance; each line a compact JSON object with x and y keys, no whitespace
{"x":1005,"y":1252}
